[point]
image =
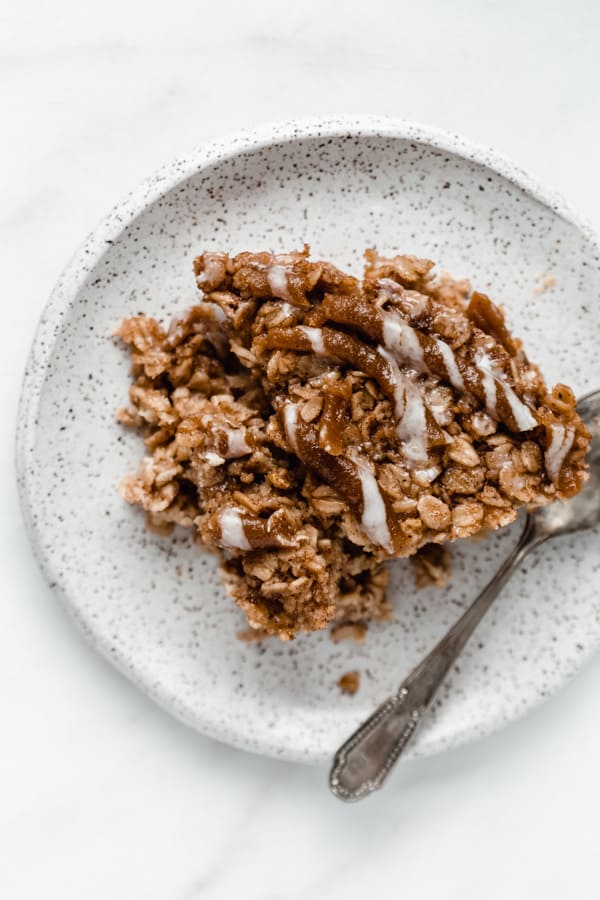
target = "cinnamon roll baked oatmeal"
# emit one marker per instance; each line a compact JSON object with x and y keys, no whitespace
{"x":309,"y":426}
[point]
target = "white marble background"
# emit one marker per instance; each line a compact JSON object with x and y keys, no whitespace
{"x":101,"y":794}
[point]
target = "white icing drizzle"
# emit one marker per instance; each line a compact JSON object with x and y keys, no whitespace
{"x":484,"y":365}
{"x":315,"y":336}
{"x":287,"y":309}
{"x":277,"y":278}
{"x":438,"y":409}
{"x":490,"y":378}
{"x":374,"y":517}
{"x":413,"y":427}
{"x":403,"y":341}
{"x":236,"y":438}
{"x":447,"y":354}
{"x":521,"y":414}
{"x":398,"y":378}
{"x":410,"y":411}
{"x":560,"y":444}
{"x":236,"y":443}
{"x":290,"y":422}
{"x":233,"y":535}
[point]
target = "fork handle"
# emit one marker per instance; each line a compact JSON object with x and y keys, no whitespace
{"x":364,"y":761}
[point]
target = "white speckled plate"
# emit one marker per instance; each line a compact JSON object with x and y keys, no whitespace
{"x":154,"y":606}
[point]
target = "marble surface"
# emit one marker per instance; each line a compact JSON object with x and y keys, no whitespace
{"x":102,"y":794}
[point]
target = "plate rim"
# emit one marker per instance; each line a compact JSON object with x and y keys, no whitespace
{"x":73,"y":276}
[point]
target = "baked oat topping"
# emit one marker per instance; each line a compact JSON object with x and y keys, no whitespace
{"x":309,"y":426}
{"x":349,"y":683}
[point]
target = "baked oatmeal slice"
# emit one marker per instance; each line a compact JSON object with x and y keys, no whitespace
{"x":310,"y":426}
